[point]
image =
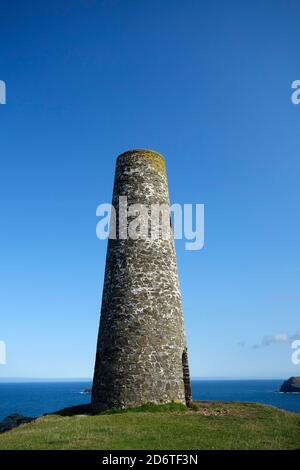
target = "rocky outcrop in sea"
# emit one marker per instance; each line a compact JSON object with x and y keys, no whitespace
{"x":292,"y":385}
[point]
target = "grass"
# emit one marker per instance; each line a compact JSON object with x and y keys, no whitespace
{"x":149,"y":408}
{"x":173,"y":427}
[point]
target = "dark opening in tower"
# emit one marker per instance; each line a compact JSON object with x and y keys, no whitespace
{"x":186,"y":378}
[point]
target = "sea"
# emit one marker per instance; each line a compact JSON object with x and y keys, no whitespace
{"x":36,"y":398}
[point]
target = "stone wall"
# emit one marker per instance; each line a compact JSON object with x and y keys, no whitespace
{"x":141,"y":344}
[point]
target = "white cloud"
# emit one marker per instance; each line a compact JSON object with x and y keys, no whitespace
{"x":277,"y":339}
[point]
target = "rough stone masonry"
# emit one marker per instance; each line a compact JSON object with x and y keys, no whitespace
{"x":141,"y":352}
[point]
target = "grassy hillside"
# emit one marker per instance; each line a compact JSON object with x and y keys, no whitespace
{"x":207,"y":426}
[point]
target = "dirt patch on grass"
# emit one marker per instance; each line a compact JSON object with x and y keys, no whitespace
{"x":215,"y":408}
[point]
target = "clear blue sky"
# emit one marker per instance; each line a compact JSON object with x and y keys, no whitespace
{"x":208,"y":85}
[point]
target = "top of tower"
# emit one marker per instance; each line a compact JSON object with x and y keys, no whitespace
{"x":157,"y":160}
{"x":141,"y":153}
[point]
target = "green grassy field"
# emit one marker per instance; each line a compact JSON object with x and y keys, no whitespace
{"x":206,"y":426}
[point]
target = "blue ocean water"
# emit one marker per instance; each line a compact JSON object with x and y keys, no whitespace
{"x":36,"y":398}
{"x":257,"y":391}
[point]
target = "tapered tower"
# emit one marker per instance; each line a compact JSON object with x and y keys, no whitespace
{"x":141,"y":352}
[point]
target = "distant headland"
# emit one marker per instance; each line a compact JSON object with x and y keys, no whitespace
{"x":292,"y":385}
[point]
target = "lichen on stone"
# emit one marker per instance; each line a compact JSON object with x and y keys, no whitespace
{"x":156,"y":159}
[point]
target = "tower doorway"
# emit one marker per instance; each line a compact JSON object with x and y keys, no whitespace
{"x":186,"y":378}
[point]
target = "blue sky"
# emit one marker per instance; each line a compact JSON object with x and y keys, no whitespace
{"x":207,"y":84}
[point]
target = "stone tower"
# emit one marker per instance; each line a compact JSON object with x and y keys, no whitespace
{"x":141,"y":352}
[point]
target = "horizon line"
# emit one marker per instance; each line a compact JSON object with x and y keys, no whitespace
{"x":90,"y":379}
